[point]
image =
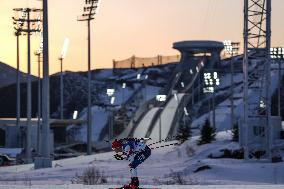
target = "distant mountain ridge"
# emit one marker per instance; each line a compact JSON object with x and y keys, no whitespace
{"x":8,"y":75}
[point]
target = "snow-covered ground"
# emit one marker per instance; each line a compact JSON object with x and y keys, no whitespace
{"x":159,"y":169}
{"x":76,"y":186}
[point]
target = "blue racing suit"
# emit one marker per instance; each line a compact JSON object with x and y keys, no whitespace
{"x":136,"y":152}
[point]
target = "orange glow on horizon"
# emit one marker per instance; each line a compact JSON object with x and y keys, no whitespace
{"x":125,"y":27}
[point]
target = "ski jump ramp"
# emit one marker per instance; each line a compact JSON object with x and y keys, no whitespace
{"x":166,"y":117}
{"x":144,"y":125}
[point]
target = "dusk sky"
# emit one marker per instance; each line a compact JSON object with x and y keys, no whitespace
{"x":123,"y":28}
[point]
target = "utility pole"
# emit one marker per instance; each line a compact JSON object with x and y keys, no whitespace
{"x":28,"y":30}
{"x":91,"y":9}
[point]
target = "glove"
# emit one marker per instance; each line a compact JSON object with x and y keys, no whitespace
{"x":118,"y":157}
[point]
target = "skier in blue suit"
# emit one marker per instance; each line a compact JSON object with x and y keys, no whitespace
{"x":135,"y":151}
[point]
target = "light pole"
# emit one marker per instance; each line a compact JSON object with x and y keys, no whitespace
{"x":211,"y":80}
{"x":160,"y":98}
{"x":18,"y":28}
{"x":232,"y":48}
{"x":91,"y":9}
{"x":110,"y":93}
{"x":27,"y":20}
{"x":277,"y":53}
{"x":146,"y":82}
{"x":18,"y":85}
{"x":123,"y":88}
{"x":38,"y":54}
{"x":45,"y":160}
{"x":63,"y":54}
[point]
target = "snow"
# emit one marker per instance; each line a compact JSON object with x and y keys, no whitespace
{"x":99,"y":120}
{"x":156,"y":170}
{"x":166,"y":117}
{"x":11,"y":152}
{"x":77,"y":186}
{"x":222,"y":111}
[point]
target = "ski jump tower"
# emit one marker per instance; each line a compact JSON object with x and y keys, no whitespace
{"x":257,"y":131}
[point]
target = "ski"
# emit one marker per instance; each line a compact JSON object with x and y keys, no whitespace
{"x":137,"y":188}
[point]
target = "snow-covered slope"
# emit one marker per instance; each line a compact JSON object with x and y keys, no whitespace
{"x":159,"y":169}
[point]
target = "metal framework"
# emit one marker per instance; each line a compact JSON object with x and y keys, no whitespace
{"x":256,"y":131}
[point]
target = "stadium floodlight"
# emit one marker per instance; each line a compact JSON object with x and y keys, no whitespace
{"x":191,"y":72}
{"x":161,"y":98}
{"x":185,"y":111}
{"x":138,"y":76}
{"x":65,"y":47}
{"x":146,"y":76}
{"x":262,"y":104}
{"x":75,"y":114}
{"x":228,"y":46}
{"x":182,"y":84}
{"x":210,"y":80}
{"x":63,"y":54}
{"x":110,"y":92}
{"x":202,"y":63}
{"x":90,"y":10}
{"x":123,"y":85}
{"x":112,"y":100}
{"x":98,"y":6}
{"x":277,"y":53}
{"x":231,"y":48}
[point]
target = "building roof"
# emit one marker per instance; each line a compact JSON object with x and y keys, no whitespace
{"x":198,"y":46}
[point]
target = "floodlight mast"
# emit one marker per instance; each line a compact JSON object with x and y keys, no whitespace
{"x":38,"y":54}
{"x":257,"y":36}
{"x":63,"y":54}
{"x":17,"y":34}
{"x":277,"y":53}
{"x":28,"y":30}
{"x":45,"y":160}
{"x":88,"y":16}
{"x":232,"y":48}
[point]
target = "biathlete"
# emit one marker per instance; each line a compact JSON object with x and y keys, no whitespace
{"x":135,"y":151}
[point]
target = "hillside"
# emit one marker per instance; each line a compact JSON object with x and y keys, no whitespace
{"x":8,"y":75}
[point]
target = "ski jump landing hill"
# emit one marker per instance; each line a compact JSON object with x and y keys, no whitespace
{"x":196,"y":56}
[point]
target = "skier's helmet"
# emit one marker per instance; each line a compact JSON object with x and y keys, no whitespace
{"x":116,"y":144}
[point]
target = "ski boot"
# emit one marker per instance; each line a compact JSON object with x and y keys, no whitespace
{"x":133,"y":185}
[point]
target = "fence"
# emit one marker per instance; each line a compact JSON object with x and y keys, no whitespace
{"x":138,"y":62}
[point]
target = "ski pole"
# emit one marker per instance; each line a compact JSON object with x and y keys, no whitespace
{"x":161,"y":140}
{"x":130,"y":138}
{"x":164,"y":146}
